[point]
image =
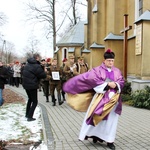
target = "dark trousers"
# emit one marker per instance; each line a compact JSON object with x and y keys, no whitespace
{"x":56,"y":86}
{"x":46,"y":89}
{"x":32,"y":102}
{"x":11,"y":80}
{"x":62,"y":92}
{"x":17,"y":81}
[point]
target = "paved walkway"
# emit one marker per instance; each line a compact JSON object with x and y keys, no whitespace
{"x":61,"y":126}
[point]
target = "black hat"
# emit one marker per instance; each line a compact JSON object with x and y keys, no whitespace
{"x":23,"y":63}
{"x":109,"y":54}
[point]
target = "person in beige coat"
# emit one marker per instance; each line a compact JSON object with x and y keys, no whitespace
{"x":17,"y":73}
{"x":70,"y":68}
{"x":81,"y":65}
{"x":55,"y":74}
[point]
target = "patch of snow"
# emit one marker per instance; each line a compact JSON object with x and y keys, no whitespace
{"x":14,"y":125}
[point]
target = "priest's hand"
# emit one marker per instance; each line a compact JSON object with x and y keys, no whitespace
{"x":112,"y":85}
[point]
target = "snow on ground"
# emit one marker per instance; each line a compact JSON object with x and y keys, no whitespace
{"x":14,"y":125}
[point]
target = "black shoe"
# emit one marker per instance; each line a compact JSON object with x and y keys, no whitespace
{"x":54,"y":104}
{"x":94,"y":140}
{"x":100,"y":140}
{"x":31,"y":119}
{"x":60,"y":103}
{"x":111,"y":146}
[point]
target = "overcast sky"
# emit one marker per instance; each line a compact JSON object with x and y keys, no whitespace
{"x":17,"y":31}
{"x":13,"y":31}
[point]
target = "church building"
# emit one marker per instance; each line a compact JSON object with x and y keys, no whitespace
{"x":122,"y":26}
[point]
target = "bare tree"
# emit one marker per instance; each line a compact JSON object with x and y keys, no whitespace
{"x":3,"y":18}
{"x":73,"y":3}
{"x":32,"y":46}
{"x":73,"y":14}
{"x":75,"y":11}
{"x":45,"y":14}
{"x":10,"y":52}
{"x":70,"y":12}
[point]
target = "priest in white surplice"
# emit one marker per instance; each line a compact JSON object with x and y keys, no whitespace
{"x":100,"y":122}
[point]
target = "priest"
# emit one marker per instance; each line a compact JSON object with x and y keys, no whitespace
{"x":100,"y":122}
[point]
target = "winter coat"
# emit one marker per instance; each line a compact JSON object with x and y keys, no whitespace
{"x":17,"y":70}
{"x":10,"y":71}
{"x":3,"y":76}
{"x":32,"y":73}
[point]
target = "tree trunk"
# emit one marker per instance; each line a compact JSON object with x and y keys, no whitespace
{"x":74,"y":11}
{"x":54,"y":28}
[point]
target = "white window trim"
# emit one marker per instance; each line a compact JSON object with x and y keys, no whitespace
{"x":63,"y":49}
{"x":136,"y":14}
{"x":95,"y":8}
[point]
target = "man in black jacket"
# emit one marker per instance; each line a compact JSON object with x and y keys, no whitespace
{"x":32,"y":73}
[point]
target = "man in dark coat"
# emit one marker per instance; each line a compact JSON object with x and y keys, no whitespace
{"x":10,"y":74}
{"x":32,"y":73}
{"x":3,"y":79}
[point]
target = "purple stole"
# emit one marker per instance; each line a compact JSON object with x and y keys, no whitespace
{"x":105,"y":99}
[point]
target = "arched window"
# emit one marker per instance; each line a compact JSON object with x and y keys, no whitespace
{"x":64,"y":52}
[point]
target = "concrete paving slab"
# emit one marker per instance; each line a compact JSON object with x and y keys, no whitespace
{"x":62,"y":126}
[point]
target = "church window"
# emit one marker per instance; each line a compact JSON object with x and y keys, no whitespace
{"x":64,"y":53}
{"x":140,"y":7}
{"x":138,"y":11}
{"x":95,"y":8}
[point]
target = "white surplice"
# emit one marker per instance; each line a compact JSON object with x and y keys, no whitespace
{"x":106,"y":129}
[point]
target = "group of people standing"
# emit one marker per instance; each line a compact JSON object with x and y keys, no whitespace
{"x":10,"y":74}
{"x":50,"y":76}
{"x":57,"y":75}
{"x":15,"y":73}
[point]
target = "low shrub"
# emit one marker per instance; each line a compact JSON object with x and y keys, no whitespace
{"x":126,"y":92}
{"x":141,"y":98}
{"x":126,"y":97}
